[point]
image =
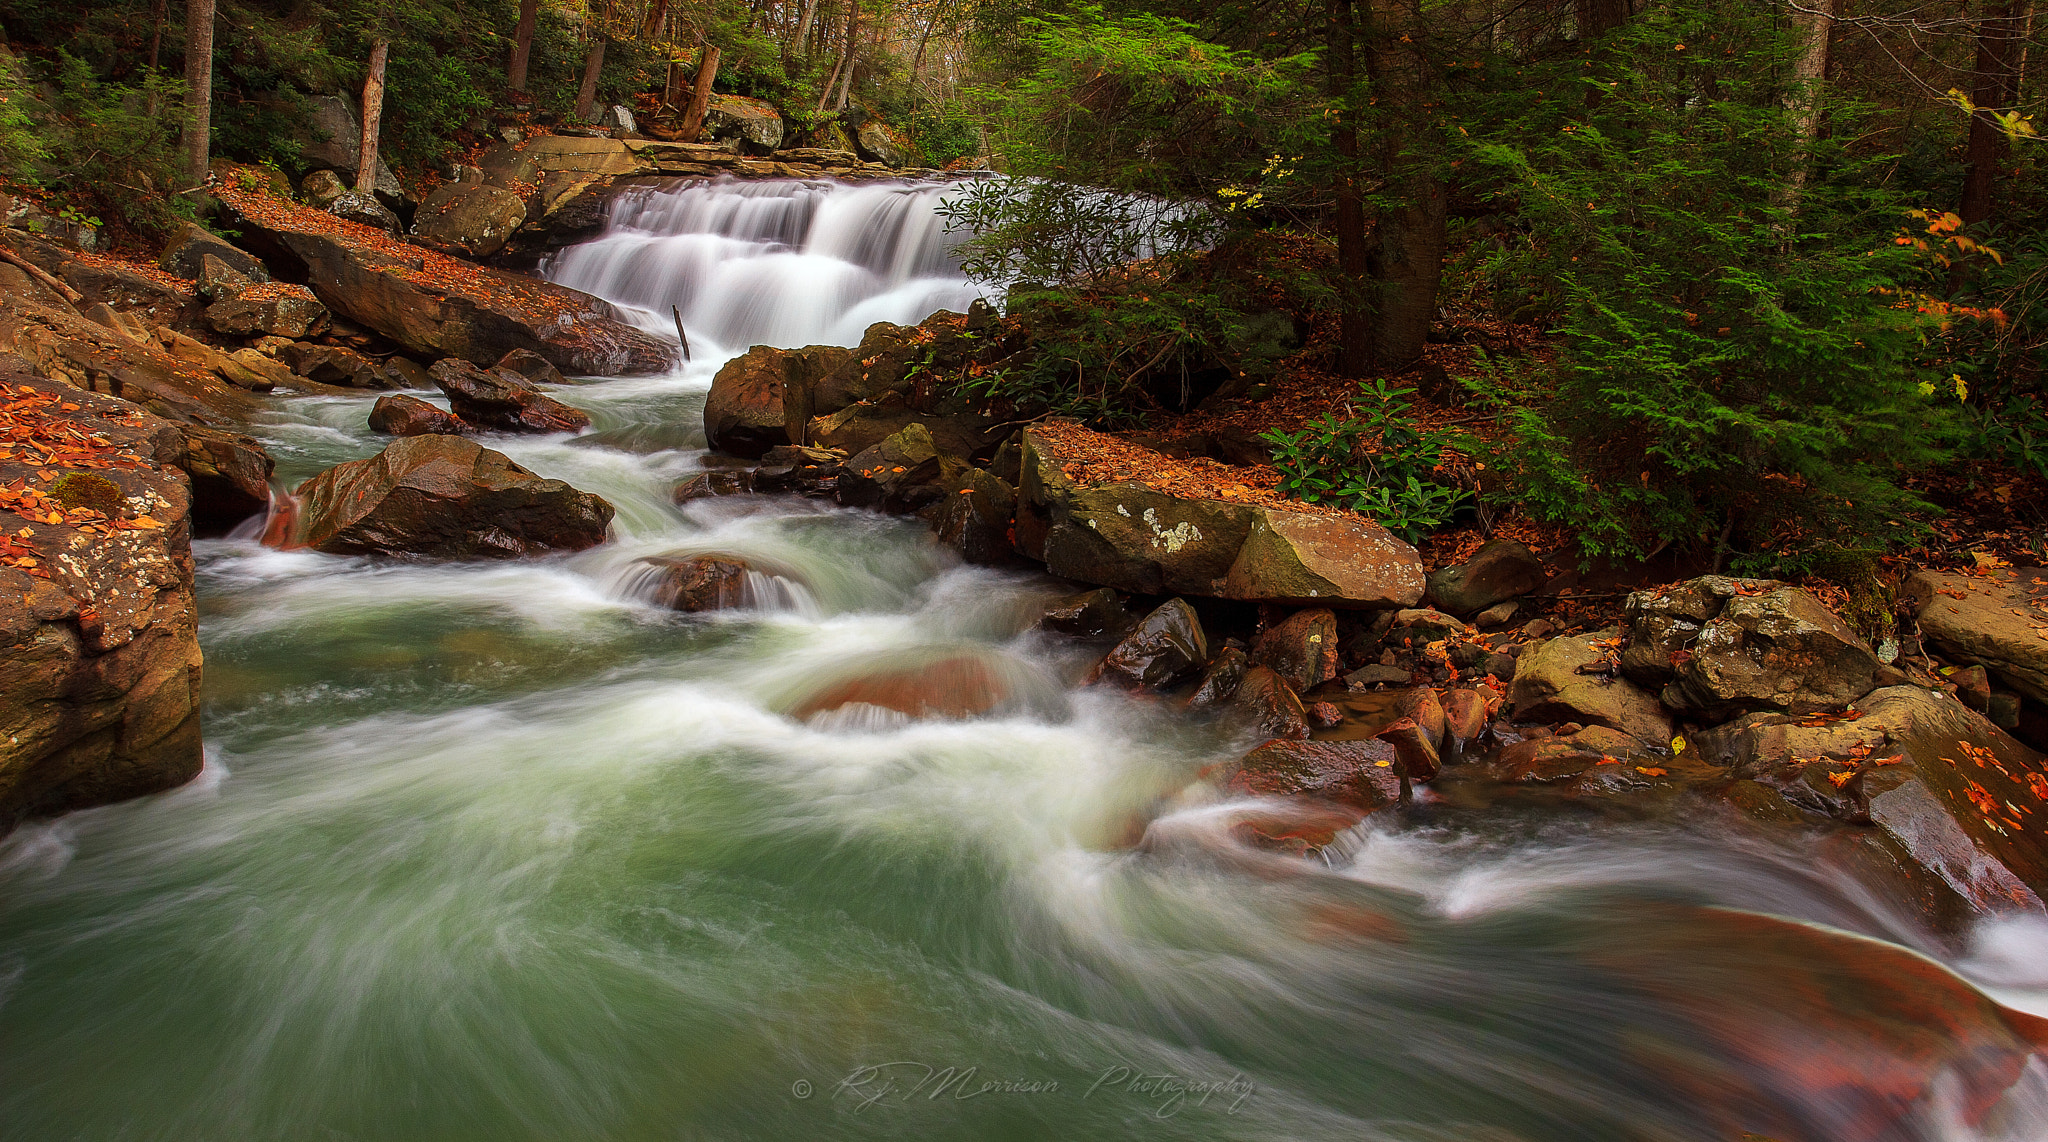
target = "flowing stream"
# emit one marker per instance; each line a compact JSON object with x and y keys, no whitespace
{"x":500,"y":851}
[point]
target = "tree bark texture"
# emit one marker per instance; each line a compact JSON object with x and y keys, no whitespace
{"x":1598,"y":17}
{"x":657,"y":14}
{"x":198,"y":89}
{"x":803,"y":26}
{"x":852,"y":40}
{"x":373,"y":116}
{"x":1809,"y":73}
{"x":1354,"y":333}
{"x":1407,"y":259}
{"x":700,"y":95}
{"x":593,"y":65}
{"x":522,"y":45}
{"x":1994,"y":87}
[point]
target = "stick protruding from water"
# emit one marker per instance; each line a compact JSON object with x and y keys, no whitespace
{"x":680,"y":335}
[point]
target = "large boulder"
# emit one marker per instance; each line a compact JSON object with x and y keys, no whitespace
{"x":1311,"y":558}
{"x":401,"y":415}
{"x":331,"y":137}
{"x":437,"y":306}
{"x":230,"y":476}
{"x":445,"y":497}
{"x":764,"y":397}
{"x":268,"y":309}
{"x":99,"y":654}
{"x":185,"y":254}
{"x":1723,"y":646}
{"x":1998,"y":622}
{"x":753,"y":122}
{"x":1500,"y":570}
{"x":469,"y":218}
{"x":1572,"y":679}
{"x":67,"y":348}
{"x":502,"y":400}
{"x":878,"y":142}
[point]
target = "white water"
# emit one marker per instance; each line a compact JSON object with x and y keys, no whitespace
{"x":502,"y":852}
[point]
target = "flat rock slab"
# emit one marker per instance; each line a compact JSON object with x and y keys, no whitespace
{"x":2000,"y":622}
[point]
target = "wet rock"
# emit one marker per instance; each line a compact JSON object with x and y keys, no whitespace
{"x":881,"y":364}
{"x":188,"y":248}
{"x":1502,"y":569}
{"x":1363,"y":774}
{"x":400,"y":415}
{"x":1377,"y":675}
{"x":469,"y":218}
{"x":404,"y":373}
{"x":445,"y":497}
{"x":1422,"y":706}
{"x":1991,"y":622}
{"x":764,"y":397}
{"x":276,"y":309}
{"x":954,"y":687}
{"x":717,"y":482}
{"x":1416,"y":746}
{"x":1220,"y":679}
{"x":1467,"y":716}
{"x":335,"y":365}
{"x":533,"y":367}
{"x":1973,"y":686}
{"x":1270,"y":703}
{"x":1324,"y":716}
{"x":1309,"y":559}
{"x":1302,"y":648}
{"x":977,"y":518}
{"x":1165,"y":647}
{"x":1086,"y":614}
{"x":897,"y":474}
{"x":754,"y":123}
{"x":1724,"y":646}
{"x":1542,"y":761}
{"x":800,"y":470}
{"x":99,"y":655}
{"x":230,"y":476}
{"x":1565,"y":679}
{"x":701,"y":583}
{"x":502,"y":400}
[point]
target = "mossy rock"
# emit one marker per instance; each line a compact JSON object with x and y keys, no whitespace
{"x":86,"y":490}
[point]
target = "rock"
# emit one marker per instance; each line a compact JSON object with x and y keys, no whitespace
{"x":64,"y":347}
{"x":1731,"y":645}
{"x":1972,"y":619}
{"x":801,"y":471}
{"x":253,"y":371}
{"x":1302,"y":648}
{"x":954,"y":686}
{"x":445,"y":497}
{"x":876,"y":142}
{"x":230,"y":476}
{"x":1416,"y":746}
{"x":1973,"y":686}
{"x":357,"y":206}
{"x":1467,"y":714}
{"x":99,"y":655}
{"x":1377,"y":675}
{"x":334,"y":365}
{"x":321,"y":188}
{"x":717,"y":482}
{"x":1309,"y":559}
{"x":754,"y":122}
{"x":1364,"y":774}
{"x":471,"y":218}
{"x":1497,"y":615}
{"x":153,"y":300}
{"x":1550,"y":687}
{"x":1417,"y":627}
{"x":502,"y":400}
{"x":185,"y":254}
{"x":404,"y":373}
{"x":618,"y":119}
{"x":399,"y":415}
{"x":1502,"y":569}
{"x":1270,"y":703}
{"x":330,"y":136}
{"x":763,"y":397}
{"x":1542,"y":761}
{"x":277,"y":309}
{"x":1087,"y":614}
{"x":217,"y":279}
{"x":701,"y":583}
{"x":1164,"y":648}
{"x":976,"y":518}
{"x":895,"y":475}
{"x":1220,"y":679}
{"x":1325,"y":715}
{"x":436,"y":306}
{"x":1421,"y":706}
{"x":533,"y":367}
{"x":1123,"y":535}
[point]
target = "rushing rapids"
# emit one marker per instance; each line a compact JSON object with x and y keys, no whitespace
{"x":507,"y":852}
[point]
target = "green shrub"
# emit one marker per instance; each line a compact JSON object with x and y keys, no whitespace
{"x":1373,"y":460}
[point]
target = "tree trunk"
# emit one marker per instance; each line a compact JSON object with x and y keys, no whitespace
{"x":1598,"y":17}
{"x":1816,"y":30}
{"x":198,"y":89}
{"x":657,"y":13}
{"x":373,"y":116}
{"x":825,"y":96}
{"x":700,"y":95}
{"x":1354,"y":333}
{"x":158,"y":9}
{"x":522,"y":45}
{"x":1407,"y":260}
{"x":586,"y":96}
{"x":852,"y":42}
{"x":803,"y":25}
{"x":917,"y":63}
{"x":1994,"y":87}
{"x":672,"y":89}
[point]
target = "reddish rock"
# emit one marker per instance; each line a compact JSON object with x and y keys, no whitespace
{"x":717,"y":482}
{"x":502,"y":400}
{"x":1220,"y":679}
{"x":701,"y":583}
{"x":1309,"y":559}
{"x":1416,"y":748}
{"x":1466,"y":715}
{"x":400,"y":415}
{"x":1164,"y":648}
{"x":1271,"y":703}
{"x":1501,"y":569}
{"x":764,"y":397}
{"x":1325,"y":716}
{"x":1362,"y":774}
{"x":958,"y":686}
{"x":1302,"y":648}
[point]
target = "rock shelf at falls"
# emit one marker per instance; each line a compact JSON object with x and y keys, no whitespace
{"x":876,"y":844}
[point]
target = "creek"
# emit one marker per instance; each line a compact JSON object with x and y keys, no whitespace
{"x":502,"y":851}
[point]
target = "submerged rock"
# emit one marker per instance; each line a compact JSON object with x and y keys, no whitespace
{"x":449,"y":498}
{"x":701,"y":583}
{"x":1362,"y":774}
{"x":954,"y":686}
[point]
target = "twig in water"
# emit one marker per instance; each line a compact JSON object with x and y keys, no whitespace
{"x":680,"y":335}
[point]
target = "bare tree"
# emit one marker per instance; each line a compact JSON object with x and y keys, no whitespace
{"x":522,"y":45}
{"x":593,"y":64}
{"x":700,"y":95}
{"x":373,"y":116}
{"x":1994,"y":87}
{"x":1354,"y":333}
{"x":852,"y":41}
{"x":198,"y":89}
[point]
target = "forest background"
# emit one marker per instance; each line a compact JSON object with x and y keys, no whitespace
{"x":1755,"y":282}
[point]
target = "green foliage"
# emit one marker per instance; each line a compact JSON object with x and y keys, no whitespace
{"x":1373,"y":461}
{"x":105,"y":144}
{"x":1735,"y":349}
{"x":22,"y":151}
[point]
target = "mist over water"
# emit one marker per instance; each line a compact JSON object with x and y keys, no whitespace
{"x":502,"y":851}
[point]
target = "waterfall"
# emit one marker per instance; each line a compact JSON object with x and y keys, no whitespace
{"x":781,"y":262}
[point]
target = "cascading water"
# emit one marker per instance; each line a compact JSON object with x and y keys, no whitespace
{"x":504,"y":852}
